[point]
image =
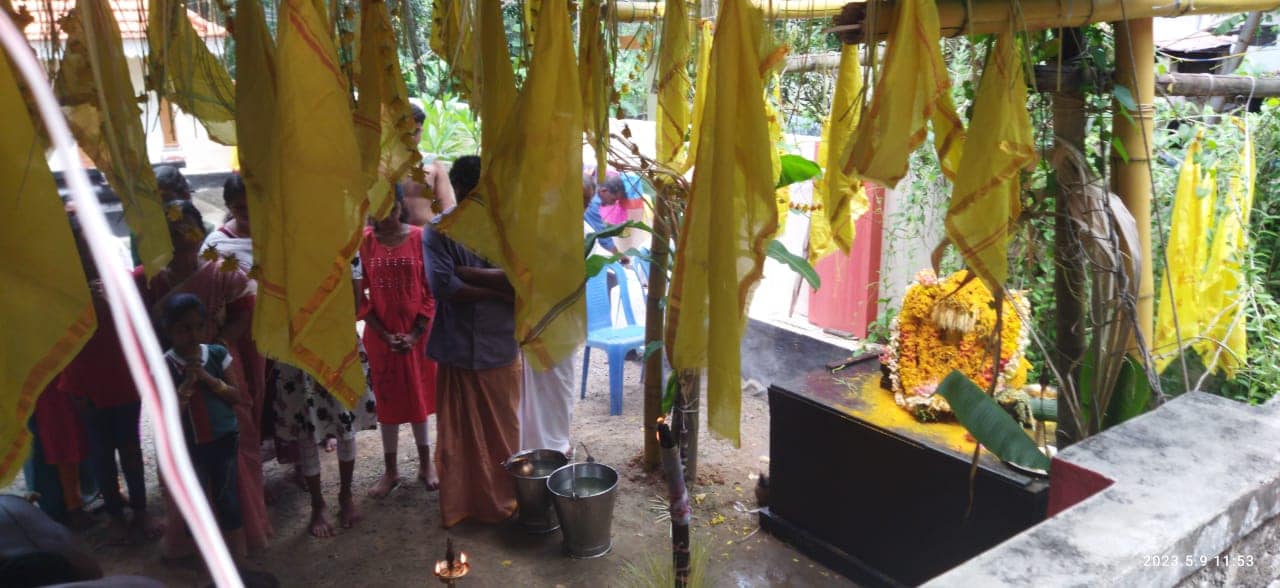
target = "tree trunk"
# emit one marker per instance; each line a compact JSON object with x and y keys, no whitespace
{"x":654,"y":323}
{"x":414,"y":40}
{"x":1069,"y":269}
{"x":1230,"y":64}
{"x":685,"y":421}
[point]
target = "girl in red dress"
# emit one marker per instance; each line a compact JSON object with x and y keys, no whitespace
{"x":397,"y":311}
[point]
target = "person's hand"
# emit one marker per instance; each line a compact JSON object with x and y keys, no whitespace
{"x":201,"y":375}
{"x":403,"y":342}
{"x":410,"y":340}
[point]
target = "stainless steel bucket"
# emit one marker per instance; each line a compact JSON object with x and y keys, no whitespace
{"x":529,"y":470}
{"x":583,"y":494}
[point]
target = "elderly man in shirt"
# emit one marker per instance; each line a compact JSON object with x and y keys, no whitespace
{"x":478,"y":382}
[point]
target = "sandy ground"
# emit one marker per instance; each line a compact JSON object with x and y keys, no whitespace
{"x":401,"y":538}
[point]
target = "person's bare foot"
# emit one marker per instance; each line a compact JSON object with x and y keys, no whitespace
{"x":430,"y":479}
{"x":320,"y":526}
{"x":348,"y":513}
{"x":330,"y":444}
{"x":385,"y":485}
{"x":79,"y":520}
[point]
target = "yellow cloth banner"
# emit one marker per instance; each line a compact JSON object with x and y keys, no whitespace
{"x":182,"y":69}
{"x":259,"y":158}
{"x":673,"y":84}
{"x":323,"y":203}
{"x":526,"y":214}
{"x":700,"y":89}
{"x":985,"y":200}
{"x":773,"y":111}
{"x":44,"y":303}
{"x":729,"y":218}
{"x":383,"y":122}
{"x":594,"y":77}
{"x":1204,"y":280}
{"x":101,"y":106}
{"x":451,"y":40}
{"x":1187,"y":253}
{"x":495,"y":90}
{"x":913,"y":89}
{"x":1221,"y":295}
{"x":839,"y":199}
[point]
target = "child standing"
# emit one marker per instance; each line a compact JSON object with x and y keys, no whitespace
{"x":208,"y":416}
{"x":397,"y":317}
{"x":100,"y":377}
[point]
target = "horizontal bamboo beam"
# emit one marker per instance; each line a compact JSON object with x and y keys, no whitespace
{"x":1049,"y":78}
{"x":635,"y":11}
{"x":966,"y":17}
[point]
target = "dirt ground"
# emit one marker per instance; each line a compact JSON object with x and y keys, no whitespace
{"x":401,"y":538}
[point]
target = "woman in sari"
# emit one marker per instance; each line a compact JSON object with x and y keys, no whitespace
{"x":227,"y":295}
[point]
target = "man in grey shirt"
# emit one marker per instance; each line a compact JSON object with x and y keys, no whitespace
{"x":479,"y":372}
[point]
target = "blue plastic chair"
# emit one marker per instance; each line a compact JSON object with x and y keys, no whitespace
{"x":601,"y":334}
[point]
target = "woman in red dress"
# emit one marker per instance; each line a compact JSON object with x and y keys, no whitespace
{"x":227,"y":295}
{"x":397,"y":311}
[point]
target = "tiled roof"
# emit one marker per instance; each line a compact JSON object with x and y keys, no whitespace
{"x":131,"y":15}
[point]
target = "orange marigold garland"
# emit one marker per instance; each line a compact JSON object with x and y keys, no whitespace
{"x":941,"y":329}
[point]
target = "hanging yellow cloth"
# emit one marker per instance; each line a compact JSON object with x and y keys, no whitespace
{"x":44,"y":303}
{"x":773,"y":111}
{"x":323,"y":202}
{"x":451,"y":40}
{"x":1187,"y":253}
{"x":526,"y":214}
{"x":259,"y":158}
{"x":839,"y":199}
{"x":182,"y":69}
{"x":495,"y":90}
{"x":531,"y":10}
{"x":1221,"y":294}
{"x":383,"y":122}
{"x":729,"y":218}
{"x":985,"y":201}
{"x":593,"y":76}
{"x":913,"y":89}
{"x":673,"y":84}
{"x":101,"y":106}
{"x":700,"y":89}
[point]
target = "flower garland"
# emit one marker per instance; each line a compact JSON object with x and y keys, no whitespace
{"x":941,"y":329}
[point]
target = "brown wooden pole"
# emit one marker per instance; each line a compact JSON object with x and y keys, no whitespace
{"x":1068,"y":268}
{"x":1049,"y":78}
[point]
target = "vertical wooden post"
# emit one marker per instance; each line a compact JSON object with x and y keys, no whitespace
{"x":1131,"y":178}
{"x":1068,"y":267}
{"x":166,"y":125}
{"x":654,"y":322}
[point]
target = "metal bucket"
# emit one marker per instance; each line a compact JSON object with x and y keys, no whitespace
{"x":583,"y":494}
{"x":529,"y":470}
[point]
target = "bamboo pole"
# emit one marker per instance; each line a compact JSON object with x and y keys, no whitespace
{"x":1050,"y":78}
{"x":967,"y":17}
{"x":1131,"y":177}
{"x":628,"y":11}
{"x":655,"y":315}
{"x":1068,"y":269}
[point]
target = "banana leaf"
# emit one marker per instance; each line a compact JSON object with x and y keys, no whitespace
{"x":779,"y":252}
{"x":990,"y":424}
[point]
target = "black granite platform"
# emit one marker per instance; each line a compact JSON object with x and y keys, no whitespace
{"x":859,"y":485}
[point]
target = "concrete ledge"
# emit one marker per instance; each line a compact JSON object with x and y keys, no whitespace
{"x":1192,"y":480}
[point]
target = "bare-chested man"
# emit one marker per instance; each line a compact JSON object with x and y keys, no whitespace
{"x":418,"y":196}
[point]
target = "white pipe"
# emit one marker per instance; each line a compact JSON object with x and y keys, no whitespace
{"x":138,"y":340}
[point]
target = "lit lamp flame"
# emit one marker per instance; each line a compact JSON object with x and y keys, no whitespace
{"x":450,"y":569}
